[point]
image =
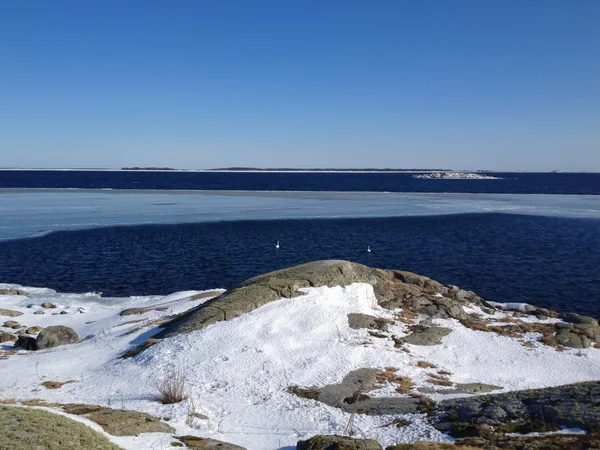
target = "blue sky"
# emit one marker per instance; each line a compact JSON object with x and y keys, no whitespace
{"x":505,"y":85}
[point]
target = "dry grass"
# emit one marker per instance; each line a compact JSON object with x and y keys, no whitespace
{"x":440,"y":382}
{"x":173,"y":387}
{"x":426,"y":365}
{"x":309,"y":393}
{"x":6,"y":353}
{"x":547,"y":330}
{"x":406,"y":315}
{"x":56,"y":384}
{"x":403,"y":385}
{"x":30,"y":402}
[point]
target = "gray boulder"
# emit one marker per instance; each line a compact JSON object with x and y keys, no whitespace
{"x":574,"y":405}
{"x":11,"y":291}
{"x":56,"y":335}
{"x":48,"y":305}
{"x":581,"y":320}
{"x":26,"y":343}
{"x":10,"y":313}
{"x":11,"y":324}
{"x":7,"y":337}
{"x":333,"y":442}
{"x":568,"y":339}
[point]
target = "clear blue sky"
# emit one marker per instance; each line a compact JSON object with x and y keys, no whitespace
{"x":492,"y":84}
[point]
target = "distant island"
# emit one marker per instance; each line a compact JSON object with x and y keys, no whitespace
{"x":456,"y":176}
{"x":289,"y":169}
{"x":148,"y":168}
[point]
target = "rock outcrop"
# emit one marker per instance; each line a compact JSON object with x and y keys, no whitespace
{"x":417,"y":296}
{"x":573,"y":405}
{"x":393,"y":289}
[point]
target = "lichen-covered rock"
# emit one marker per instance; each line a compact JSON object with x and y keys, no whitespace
{"x":11,"y":324}
{"x":333,"y":442}
{"x":568,"y":339}
{"x":56,"y":335}
{"x":120,"y":422}
{"x":29,"y":428}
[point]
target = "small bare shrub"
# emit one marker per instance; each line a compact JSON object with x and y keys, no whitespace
{"x":172,"y":387}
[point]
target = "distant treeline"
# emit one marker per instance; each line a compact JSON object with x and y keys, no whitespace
{"x":288,"y":169}
{"x":148,"y":168}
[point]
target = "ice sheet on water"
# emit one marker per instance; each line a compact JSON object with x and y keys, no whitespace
{"x":29,"y":213}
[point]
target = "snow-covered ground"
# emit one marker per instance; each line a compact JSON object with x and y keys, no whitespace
{"x":30,"y":212}
{"x":238,"y":371}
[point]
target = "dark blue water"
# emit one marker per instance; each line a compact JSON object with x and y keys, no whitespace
{"x":550,"y":262}
{"x":511,"y":183}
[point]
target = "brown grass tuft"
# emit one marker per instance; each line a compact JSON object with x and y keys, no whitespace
{"x":56,"y":384}
{"x":440,"y":381}
{"x":403,"y":384}
{"x":426,"y":365}
{"x":406,"y":315}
